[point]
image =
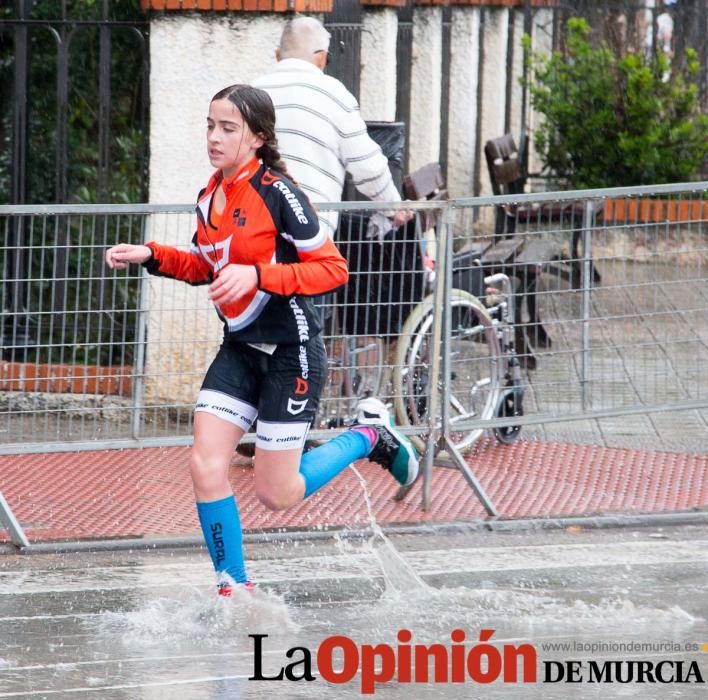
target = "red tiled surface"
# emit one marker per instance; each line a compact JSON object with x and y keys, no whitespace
{"x":147,"y":492}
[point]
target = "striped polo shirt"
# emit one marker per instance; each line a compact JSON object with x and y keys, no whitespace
{"x":321,"y":135}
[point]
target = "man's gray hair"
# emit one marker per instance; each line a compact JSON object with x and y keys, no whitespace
{"x":302,"y":37}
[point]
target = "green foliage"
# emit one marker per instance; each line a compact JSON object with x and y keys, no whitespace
{"x":612,"y":121}
{"x":126,"y":177}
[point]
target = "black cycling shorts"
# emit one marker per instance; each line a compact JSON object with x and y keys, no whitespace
{"x":281,"y":389}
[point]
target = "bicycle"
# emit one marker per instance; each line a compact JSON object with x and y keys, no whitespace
{"x":485,"y":372}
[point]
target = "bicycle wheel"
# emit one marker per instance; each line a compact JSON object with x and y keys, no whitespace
{"x":355,"y":370}
{"x":475,"y":355}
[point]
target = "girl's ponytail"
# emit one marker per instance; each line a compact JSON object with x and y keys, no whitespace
{"x":270,"y":155}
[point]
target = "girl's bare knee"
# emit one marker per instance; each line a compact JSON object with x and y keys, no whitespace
{"x":206,"y":474}
{"x":278,"y":483}
{"x":276,"y":499}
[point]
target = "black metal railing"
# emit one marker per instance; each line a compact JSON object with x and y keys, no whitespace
{"x":74,"y":127}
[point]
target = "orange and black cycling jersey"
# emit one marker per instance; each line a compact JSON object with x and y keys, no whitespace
{"x":268,"y":223}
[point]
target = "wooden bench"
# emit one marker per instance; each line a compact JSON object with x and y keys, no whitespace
{"x":506,"y":172}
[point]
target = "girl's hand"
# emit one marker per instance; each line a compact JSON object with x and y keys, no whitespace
{"x":119,"y":256}
{"x":233,"y":282}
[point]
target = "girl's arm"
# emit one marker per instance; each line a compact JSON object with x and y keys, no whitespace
{"x":321,"y":268}
{"x":163,"y":260}
{"x":186,"y":265}
{"x":319,"y":271}
{"x":120,"y":256}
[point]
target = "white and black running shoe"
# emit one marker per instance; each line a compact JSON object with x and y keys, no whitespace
{"x":392,"y":450}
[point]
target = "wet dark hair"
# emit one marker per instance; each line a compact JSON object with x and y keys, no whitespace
{"x":258,"y":112}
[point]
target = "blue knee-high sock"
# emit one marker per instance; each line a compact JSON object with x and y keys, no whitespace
{"x":221,"y":526}
{"x":321,"y":465}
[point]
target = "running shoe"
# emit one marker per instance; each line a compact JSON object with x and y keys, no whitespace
{"x":226,"y":590}
{"x":392,"y":450}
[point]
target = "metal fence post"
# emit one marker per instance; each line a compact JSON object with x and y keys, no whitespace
{"x":138,"y":397}
{"x":586,"y":279}
{"x":439,"y":316}
{"x":445,"y":273}
{"x":449,"y":446}
{"x":8,"y":519}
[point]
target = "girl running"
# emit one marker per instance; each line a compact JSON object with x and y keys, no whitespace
{"x":259,"y":248}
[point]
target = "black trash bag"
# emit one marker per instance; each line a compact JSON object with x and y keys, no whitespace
{"x":386,"y":280}
{"x":391,"y":136}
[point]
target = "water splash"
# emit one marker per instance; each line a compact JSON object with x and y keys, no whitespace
{"x":432,"y":614}
{"x":406,"y":595}
{"x":399,"y":577}
{"x":197,"y":616}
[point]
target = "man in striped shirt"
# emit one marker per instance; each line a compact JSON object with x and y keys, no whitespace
{"x":320,"y":132}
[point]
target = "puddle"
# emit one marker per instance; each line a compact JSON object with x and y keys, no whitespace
{"x":197,"y":616}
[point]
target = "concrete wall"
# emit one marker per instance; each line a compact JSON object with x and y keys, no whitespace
{"x":518,"y":70}
{"x":192,"y":57}
{"x":377,"y":86}
{"x":183,"y":330}
{"x":468,"y":75}
{"x":463,"y":101}
{"x":493,"y":81}
{"x":541,"y":33}
{"x":426,"y":74}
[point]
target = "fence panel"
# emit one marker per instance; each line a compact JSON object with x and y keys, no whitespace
{"x":74,"y":350}
{"x":611,"y":330}
{"x":612,"y":308}
{"x":607,"y":306}
{"x":98,"y":358}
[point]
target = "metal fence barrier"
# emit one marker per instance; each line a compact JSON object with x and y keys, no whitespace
{"x":608,"y":314}
{"x":617,"y":325}
{"x":610,"y":320}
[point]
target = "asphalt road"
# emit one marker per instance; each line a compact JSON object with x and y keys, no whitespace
{"x":148,"y":624}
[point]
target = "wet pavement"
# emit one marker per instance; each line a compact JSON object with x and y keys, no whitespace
{"x":148,"y":624}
